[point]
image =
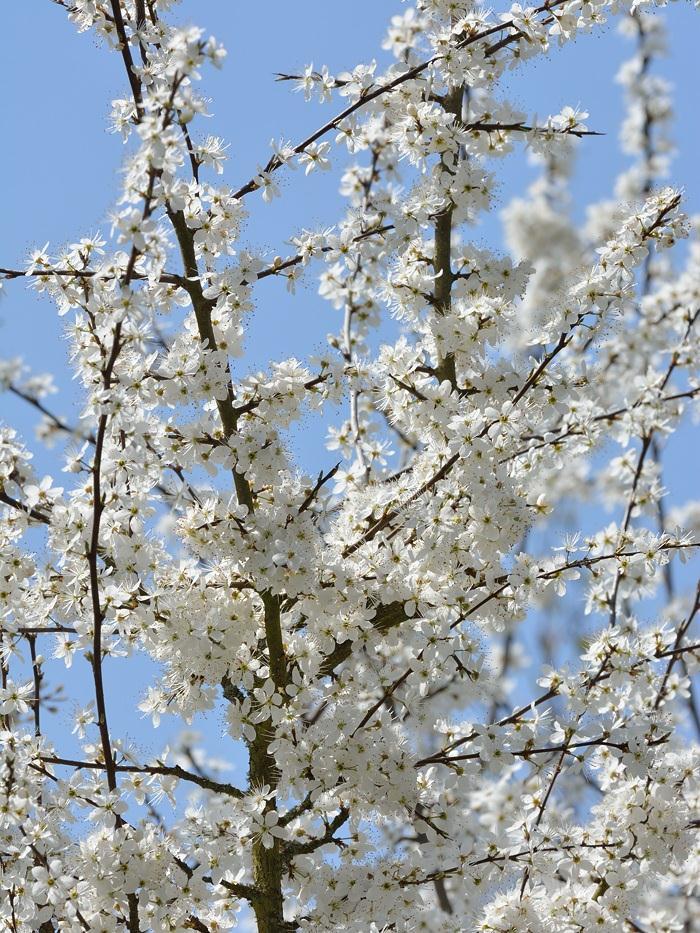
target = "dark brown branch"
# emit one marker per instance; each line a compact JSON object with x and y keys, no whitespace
{"x":20,"y":507}
{"x":320,"y":482}
{"x":126,"y":56}
{"x":175,"y":771}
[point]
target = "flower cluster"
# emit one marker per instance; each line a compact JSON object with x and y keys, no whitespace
{"x":372,"y":634}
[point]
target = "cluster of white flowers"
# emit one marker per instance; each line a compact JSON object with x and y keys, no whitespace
{"x":366,"y":628}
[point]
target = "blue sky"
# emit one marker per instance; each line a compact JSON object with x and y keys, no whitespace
{"x":61,"y":167}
